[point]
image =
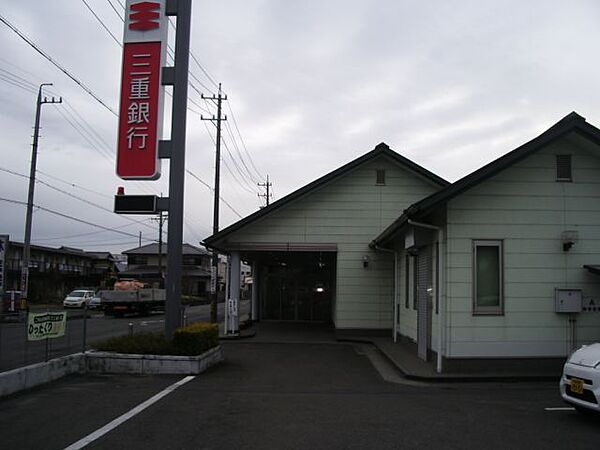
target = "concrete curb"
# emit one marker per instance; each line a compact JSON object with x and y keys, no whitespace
{"x":31,"y":376}
{"x":106,"y":362}
{"x":28,"y":377}
{"x":450,"y":377}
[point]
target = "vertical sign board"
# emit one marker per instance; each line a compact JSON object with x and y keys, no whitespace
{"x":141,"y":108}
{"x":3,"y":250}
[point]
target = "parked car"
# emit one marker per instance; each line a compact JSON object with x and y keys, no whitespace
{"x":78,"y":298}
{"x":580,"y":381}
{"x":95,"y":302}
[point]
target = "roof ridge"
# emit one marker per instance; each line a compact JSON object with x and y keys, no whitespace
{"x":380,"y":149}
{"x":570,"y":122}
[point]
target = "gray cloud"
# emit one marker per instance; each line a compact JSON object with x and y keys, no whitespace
{"x":312,"y":85}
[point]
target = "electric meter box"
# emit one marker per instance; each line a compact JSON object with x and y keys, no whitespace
{"x":567,"y":300}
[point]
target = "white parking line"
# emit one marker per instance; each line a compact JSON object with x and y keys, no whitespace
{"x":561,"y":408}
{"x":128,"y":415}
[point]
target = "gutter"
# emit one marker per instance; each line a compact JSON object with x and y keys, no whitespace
{"x":442,"y":290}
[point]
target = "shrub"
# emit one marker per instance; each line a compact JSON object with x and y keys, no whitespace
{"x":191,"y":340}
{"x":139,"y":343}
{"x":196,"y":338}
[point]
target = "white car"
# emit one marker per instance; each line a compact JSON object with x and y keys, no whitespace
{"x":580,"y":382}
{"x":78,"y":298}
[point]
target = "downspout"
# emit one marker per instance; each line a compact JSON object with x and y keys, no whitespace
{"x":395,"y":310}
{"x":442,"y":290}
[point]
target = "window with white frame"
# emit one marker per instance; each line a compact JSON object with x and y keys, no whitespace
{"x":488,"y":277}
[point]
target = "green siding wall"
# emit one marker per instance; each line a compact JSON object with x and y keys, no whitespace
{"x":526,"y":208}
{"x":350,"y":211}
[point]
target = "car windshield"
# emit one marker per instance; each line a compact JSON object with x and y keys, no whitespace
{"x":77,"y":294}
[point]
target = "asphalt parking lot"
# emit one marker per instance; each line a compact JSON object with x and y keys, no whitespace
{"x":294,"y":396}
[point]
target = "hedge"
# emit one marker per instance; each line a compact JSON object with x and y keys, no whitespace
{"x":196,"y":338}
{"x":191,"y":340}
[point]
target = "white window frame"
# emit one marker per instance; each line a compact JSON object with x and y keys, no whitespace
{"x":489,"y":310}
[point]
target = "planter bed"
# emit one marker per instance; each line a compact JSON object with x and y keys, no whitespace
{"x":108,"y":362}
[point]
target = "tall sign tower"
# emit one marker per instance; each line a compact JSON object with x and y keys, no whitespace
{"x":140,"y":147}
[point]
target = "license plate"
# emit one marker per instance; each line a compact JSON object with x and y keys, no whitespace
{"x":576,"y":386}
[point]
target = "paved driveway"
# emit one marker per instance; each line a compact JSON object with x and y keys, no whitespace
{"x":280,"y":396}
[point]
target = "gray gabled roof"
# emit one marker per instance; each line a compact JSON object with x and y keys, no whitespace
{"x":381,"y":149}
{"x":572,"y":122}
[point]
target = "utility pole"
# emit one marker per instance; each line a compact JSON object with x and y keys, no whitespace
{"x":268,"y":194}
{"x":140,"y":239}
{"x":29,"y":214}
{"x":161,"y":219}
{"x":215,"y":255}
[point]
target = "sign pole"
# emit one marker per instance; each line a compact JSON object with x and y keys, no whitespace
{"x":84,"y":339}
{"x":183,"y":10}
{"x":140,"y":121}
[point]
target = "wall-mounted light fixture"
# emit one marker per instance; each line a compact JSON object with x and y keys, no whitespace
{"x":365,"y":261}
{"x":569,"y":239}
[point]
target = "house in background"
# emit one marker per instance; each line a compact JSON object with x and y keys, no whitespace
{"x":143,"y":264}
{"x":487,"y":272}
{"x":53,"y":272}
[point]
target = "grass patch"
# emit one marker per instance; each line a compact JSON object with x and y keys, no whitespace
{"x":191,"y":340}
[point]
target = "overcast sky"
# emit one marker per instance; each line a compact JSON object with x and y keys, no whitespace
{"x":312,"y":85}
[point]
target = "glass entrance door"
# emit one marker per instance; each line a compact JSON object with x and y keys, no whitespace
{"x":298,"y":290}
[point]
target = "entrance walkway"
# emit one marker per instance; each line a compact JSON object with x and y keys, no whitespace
{"x":284,"y":332}
{"x":403,"y":355}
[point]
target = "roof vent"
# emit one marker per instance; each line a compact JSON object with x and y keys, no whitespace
{"x":563,"y":168}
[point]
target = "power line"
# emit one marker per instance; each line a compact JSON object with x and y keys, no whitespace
{"x":114,"y":8}
{"x":204,"y":71}
{"x":76,"y":197}
{"x":239,"y":183}
{"x":16,"y":84}
{"x":66,"y":216}
{"x":110,"y":243}
{"x":235,"y":124}
{"x":82,"y":134}
{"x":18,"y":79}
{"x":74,"y":185}
{"x":56,"y":64}
{"x":79,"y":123}
{"x":91,"y":233}
{"x":90,"y":128}
{"x":212,"y":190}
{"x":102,"y":23}
{"x":237,"y":149}
{"x":243,"y":176}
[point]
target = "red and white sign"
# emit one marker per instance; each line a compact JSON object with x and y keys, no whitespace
{"x":141,"y":109}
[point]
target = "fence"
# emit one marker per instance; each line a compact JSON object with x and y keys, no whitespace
{"x":16,"y":350}
{"x":83,"y":327}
